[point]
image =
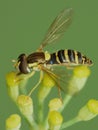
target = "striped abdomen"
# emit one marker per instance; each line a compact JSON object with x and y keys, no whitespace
{"x":68,"y":57}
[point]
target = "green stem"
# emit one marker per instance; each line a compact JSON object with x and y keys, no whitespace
{"x":22,"y":86}
{"x":32,"y":123}
{"x":42,"y":122}
{"x":24,"y":79}
{"x":66,"y":100}
{"x":40,"y":114}
{"x":46,"y":125}
{"x":69,"y":123}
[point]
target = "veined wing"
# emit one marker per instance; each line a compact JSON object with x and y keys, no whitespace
{"x":57,"y":28}
{"x":60,"y":77}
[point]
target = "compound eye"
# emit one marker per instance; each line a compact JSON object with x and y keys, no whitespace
{"x":21,"y":56}
{"x":23,"y":66}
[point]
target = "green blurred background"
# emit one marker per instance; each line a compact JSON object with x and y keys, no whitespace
{"x":23,"y":24}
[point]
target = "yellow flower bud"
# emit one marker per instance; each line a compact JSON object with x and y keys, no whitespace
{"x":78,"y":79}
{"x":45,"y":87}
{"x":55,"y":104}
{"x":13,"y":122}
{"x":81,"y":71}
{"x":48,"y":81}
{"x":13,"y":81}
{"x":55,"y":120}
{"x":25,"y":104}
{"x":93,"y":106}
{"x":89,"y":111}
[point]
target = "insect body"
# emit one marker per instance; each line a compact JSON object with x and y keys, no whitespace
{"x":61,"y":57}
{"x":40,"y":60}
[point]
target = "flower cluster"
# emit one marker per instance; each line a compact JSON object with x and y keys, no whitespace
{"x":53,"y":120}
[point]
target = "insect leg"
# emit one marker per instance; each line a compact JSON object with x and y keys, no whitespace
{"x":55,"y":78}
{"x":41,"y":77}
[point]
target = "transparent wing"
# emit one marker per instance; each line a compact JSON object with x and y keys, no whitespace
{"x":60,"y":75}
{"x":57,"y":28}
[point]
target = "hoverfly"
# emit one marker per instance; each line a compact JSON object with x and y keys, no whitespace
{"x":44,"y":61}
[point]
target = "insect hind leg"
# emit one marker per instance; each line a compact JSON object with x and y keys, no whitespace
{"x":55,"y":78}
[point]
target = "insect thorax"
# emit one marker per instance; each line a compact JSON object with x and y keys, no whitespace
{"x":36,"y":57}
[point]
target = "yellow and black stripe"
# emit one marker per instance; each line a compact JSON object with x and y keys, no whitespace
{"x":69,"y":57}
